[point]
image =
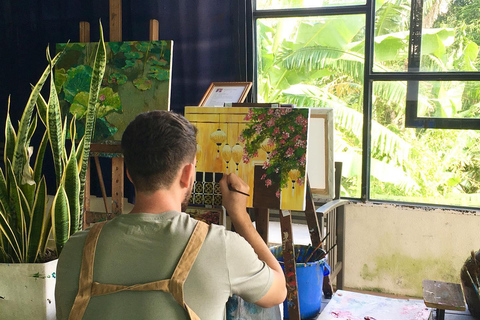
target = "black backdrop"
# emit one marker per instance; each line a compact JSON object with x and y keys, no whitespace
{"x":208,"y":35}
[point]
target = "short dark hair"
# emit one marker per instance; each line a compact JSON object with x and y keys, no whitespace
{"x":155,"y":145}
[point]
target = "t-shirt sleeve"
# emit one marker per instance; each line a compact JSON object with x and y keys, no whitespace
{"x":250,"y":278}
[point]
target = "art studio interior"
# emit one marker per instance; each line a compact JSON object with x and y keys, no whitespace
{"x":354,"y":123}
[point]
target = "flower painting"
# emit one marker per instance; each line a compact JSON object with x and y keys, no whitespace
{"x":137,"y":79}
{"x":267,"y":145}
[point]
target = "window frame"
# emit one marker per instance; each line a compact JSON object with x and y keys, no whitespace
{"x":412,"y":76}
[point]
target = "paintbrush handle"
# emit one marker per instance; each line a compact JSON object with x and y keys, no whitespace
{"x":238,"y":191}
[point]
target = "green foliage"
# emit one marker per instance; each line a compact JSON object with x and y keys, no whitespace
{"x":25,"y":220}
{"x":319,"y":62}
{"x":141,"y":64}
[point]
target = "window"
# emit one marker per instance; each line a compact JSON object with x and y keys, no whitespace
{"x":403,"y":78}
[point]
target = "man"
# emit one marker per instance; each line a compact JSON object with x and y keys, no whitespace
{"x":119,"y":276}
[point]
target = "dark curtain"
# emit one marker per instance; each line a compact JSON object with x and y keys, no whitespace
{"x":209,"y":42}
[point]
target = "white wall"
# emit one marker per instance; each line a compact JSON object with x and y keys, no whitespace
{"x":392,"y":248}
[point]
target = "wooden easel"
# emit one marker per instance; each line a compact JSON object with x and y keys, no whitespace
{"x":262,"y":217}
{"x":109,"y":150}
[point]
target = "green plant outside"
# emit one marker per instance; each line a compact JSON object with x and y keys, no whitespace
{"x":26,"y":219}
{"x":319,"y":62}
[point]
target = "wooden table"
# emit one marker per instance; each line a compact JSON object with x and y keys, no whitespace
{"x":443,"y":296}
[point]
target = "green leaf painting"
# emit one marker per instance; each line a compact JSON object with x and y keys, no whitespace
{"x":137,"y":79}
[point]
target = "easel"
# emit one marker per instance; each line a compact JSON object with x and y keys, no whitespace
{"x":262,"y":216}
{"x":109,"y":150}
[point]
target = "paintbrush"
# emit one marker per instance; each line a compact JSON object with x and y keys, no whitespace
{"x":231,"y":188}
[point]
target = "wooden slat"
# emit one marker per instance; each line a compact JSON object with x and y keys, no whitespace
{"x":290,"y":265}
{"x":115,"y":20}
{"x":105,"y":148}
{"x":84,"y":31}
{"x":443,"y":295}
{"x":117,"y":185}
{"x":102,"y":183}
{"x":262,"y":217}
{"x":312,"y":220}
{"x":154,"y":30}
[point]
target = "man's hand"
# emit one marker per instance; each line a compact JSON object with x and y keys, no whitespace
{"x":233,"y":196}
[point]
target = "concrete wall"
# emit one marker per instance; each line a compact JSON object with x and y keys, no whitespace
{"x":393,"y":248}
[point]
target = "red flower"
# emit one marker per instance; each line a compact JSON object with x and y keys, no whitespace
{"x":289,"y":152}
{"x":277,"y":194}
{"x":268,"y":182}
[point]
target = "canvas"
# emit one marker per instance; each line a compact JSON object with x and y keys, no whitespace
{"x":266,"y":147}
{"x":137,"y":79}
{"x":320,"y":162}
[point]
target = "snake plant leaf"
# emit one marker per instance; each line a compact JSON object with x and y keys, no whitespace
{"x":25,"y":214}
{"x":10,"y":236}
{"x":31,"y":130}
{"x":54,"y":127}
{"x":37,"y":169}
{"x":42,"y":109}
{"x":60,"y":218}
{"x":14,"y":197}
{"x":73,"y":130}
{"x":97,"y":76}
{"x":72,"y":190}
{"x":80,"y":154}
{"x":28,"y":185}
{"x":10,"y":137}
{"x":4,"y":199}
{"x":37,"y":221}
{"x":64,"y":138}
{"x":17,"y":160}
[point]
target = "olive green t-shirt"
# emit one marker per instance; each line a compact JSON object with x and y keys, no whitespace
{"x":140,"y":248}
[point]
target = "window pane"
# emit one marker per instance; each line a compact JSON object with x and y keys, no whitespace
{"x":392,"y":23}
{"x":450,"y":36}
{"x":449,"y":99}
{"x":291,"y":4}
{"x":318,"y":62}
{"x":423,"y":166}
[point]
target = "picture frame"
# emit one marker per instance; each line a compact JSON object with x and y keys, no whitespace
{"x":219,"y":93}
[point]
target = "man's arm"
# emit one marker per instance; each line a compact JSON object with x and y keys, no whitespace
{"x":235,"y":204}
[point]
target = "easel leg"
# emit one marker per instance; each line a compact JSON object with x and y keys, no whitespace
{"x":261,"y":222}
{"x":290,"y":265}
{"x":117,"y":185}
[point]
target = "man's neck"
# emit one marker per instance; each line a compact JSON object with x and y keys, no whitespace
{"x":158,"y":202}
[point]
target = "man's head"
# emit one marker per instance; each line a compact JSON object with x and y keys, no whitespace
{"x":156,"y":145}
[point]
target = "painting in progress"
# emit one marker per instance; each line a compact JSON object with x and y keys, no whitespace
{"x":266,"y":147}
{"x":137,"y":79}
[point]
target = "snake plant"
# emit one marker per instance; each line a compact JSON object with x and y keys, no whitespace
{"x":27,"y":219}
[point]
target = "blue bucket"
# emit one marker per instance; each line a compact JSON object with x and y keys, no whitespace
{"x":309,"y":279}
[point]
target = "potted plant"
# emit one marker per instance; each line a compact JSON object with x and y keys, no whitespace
{"x":27,"y":218}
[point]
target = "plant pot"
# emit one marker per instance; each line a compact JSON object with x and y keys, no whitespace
{"x":27,"y":291}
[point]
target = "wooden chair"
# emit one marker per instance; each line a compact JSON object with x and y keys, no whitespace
{"x":331,"y":217}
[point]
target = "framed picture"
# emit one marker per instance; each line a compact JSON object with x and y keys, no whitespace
{"x":219,"y":93}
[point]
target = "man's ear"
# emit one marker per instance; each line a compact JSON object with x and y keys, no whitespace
{"x":128,"y":176}
{"x":188,"y":171}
